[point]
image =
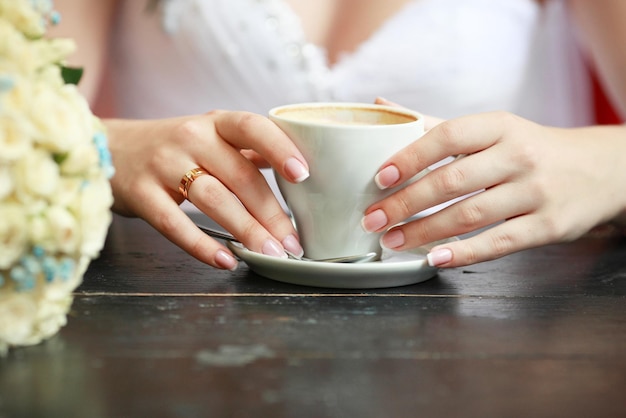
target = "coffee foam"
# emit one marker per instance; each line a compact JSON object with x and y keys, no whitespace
{"x":346,"y":116}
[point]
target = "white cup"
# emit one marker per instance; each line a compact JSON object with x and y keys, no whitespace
{"x":345,"y":145}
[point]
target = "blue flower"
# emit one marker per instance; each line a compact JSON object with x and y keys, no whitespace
{"x":104,"y":155}
{"x":66,"y":268}
{"x":23,"y":279}
{"x":55,"y":17}
{"x":6,"y":83}
{"x":49,"y":266}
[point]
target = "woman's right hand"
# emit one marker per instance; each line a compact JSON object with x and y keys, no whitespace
{"x":151,"y":157}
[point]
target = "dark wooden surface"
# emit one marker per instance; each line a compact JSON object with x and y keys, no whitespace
{"x":154,"y":333}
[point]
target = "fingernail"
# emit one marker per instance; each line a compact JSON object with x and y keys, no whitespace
{"x":296,"y":170}
{"x":387,"y":177}
{"x":292,"y":245}
{"x":383,"y":101}
{"x":393,"y":239}
{"x":439,"y":257}
{"x":374,"y":221}
{"x":272,"y":248}
{"x":225,"y":260}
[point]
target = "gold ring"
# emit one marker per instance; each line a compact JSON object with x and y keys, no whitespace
{"x":188,"y":178}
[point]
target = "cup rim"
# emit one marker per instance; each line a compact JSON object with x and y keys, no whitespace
{"x":274,"y":113}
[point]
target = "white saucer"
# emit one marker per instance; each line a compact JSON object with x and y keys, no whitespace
{"x":394,"y":269}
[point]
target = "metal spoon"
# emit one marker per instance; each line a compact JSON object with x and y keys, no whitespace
{"x":359,"y":258}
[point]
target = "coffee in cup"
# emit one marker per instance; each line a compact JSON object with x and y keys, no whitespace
{"x":345,"y":145}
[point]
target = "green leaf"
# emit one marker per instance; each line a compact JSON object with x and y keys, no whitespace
{"x":71,"y":75}
{"x":60,"y":157}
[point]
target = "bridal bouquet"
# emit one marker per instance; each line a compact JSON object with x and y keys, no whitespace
{"x":55,"y":166}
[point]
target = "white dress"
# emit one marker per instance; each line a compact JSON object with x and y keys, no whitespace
{"x":441,"y":57}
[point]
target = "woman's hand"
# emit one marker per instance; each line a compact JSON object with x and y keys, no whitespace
{"x":539,"y":185}
{"x":151,"y":157}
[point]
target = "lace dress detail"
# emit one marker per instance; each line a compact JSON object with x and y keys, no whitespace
{"x":442,"y":57}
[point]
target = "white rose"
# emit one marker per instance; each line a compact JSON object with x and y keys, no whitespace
{"x":6,"y":181}
{"x":52,"y":316}
{"x":55,"y":230}
{"x":52,"y":51}
{"x":18,"y":53}
{"x":26,"y":16}
{"x":15,"y":135}
{"x":64,"y":230}
{"x":39,"y":232}
{"x":58,"y":290}
{"x":17,"y":96}
{"x":66,"y":120}
{"x":17,"y":314}
{"x":18,"y":99}
{"x":95,"y":215}
{"x":56,"y":299}
{"x":13,"y":234}
{"x":83,"y":158}
{"x":50,"y":75}
{"x":36,"y":175}
{"x":67,"y":191}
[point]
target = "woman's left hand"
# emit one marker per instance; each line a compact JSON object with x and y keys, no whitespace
{"x":537,"y":184}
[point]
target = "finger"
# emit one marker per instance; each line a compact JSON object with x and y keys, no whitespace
{"x":261,"y":210}
{"x":465,"y":135}
{"x":214,"y":198}
{"x":255,"y":158}
{"x":454,"y":180}
{"x":224,"y":161}
{"x":511,"y":236}
{"x":166,"y":216}
{"x":250,"y":131}
{"x":478,"y":211}
{"x":431,"y":121}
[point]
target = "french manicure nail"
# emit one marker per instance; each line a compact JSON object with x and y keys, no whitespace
{"x":374,"y":221}
{"x":381,"y":101}
{"x":439,"y":257}
{"x":296,"y":170}
{"x":292,"y":245}
{"x":387,"y":177}
{"x":225,"y":260}
{"x":393,"y":239}
{"x":272,"y":248}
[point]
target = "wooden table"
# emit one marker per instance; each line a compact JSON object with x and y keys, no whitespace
{"x":155,"y":333}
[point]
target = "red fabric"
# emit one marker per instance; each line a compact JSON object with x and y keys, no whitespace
{"x":605,"y":114}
